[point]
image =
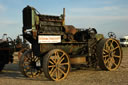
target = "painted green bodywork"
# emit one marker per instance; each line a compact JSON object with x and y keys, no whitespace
{"x":74,"y":41}
{"x":99,"y":37}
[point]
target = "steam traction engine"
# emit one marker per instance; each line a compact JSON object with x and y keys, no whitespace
{"x":57,"y":47}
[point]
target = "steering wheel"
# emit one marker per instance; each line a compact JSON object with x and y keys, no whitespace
{"x":111,"y":35}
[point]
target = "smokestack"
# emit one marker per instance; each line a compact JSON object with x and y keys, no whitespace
{"x":63,"y":16}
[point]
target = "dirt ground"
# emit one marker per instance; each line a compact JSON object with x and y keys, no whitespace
{"x":12,"y":76}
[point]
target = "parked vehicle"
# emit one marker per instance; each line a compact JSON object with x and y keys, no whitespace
{"x":57,"y":47}
{"x":124,"y":41}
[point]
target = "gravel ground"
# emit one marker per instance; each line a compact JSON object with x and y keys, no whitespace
{"x":11,"y":76}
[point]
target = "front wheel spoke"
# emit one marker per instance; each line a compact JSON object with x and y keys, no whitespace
{"x":64,"y":63}
{"x":111,"y":44}
{"x":54,"y":60}
{"x":51,"y":66}
{"x":36,"y":59}
{"x":116,"y":56}
{"x":57,"y":55}
{"x":56,"y":74}
{"x":107,"y":47}
{"x":64,"y":68}
{"x":61,"y":60}
{"x":51,"y":62}
{"x":27,"y":59}
{"x":52,"y":73}
{"x":106,"y":56}
{"x":109,"y":63}
{"x":114,"y":63}
{"x":61,"y":71}
{"x":105,"y":51}
{"x":112,"y":60}
{"x":107,"y":60}
{"x":115,"y":48}
{"x":33,"y":58}
{"x":51,"y":70}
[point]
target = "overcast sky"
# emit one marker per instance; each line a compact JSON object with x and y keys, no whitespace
{"x":104,"y":15}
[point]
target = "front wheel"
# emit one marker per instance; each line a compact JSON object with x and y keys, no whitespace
{"x":109,"y":54}
{"x":56,"y":65}
{"x":30,"y":64}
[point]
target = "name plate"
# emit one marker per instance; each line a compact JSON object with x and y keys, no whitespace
{"x":49,"y":39}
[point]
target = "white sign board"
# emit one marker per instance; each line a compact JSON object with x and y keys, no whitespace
{"x":49,"y":39}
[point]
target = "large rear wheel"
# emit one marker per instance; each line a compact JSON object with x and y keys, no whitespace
{"x":56,"y":65}
{"x":109,"y":53}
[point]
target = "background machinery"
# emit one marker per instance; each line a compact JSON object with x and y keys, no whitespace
{"x":8,"y":46}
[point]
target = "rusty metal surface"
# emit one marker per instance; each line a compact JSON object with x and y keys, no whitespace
{"x":78,"y":60}
{"x":70,"y":29}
